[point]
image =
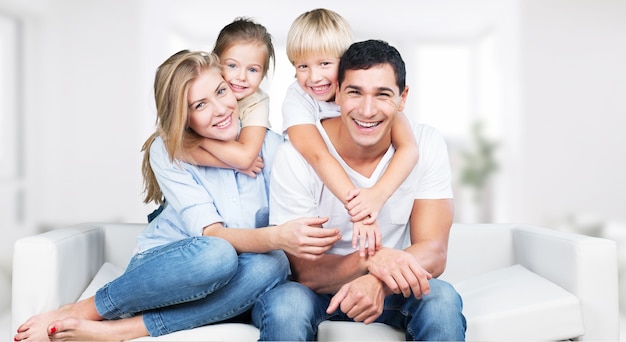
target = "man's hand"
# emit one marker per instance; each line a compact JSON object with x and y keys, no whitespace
{"x":303,"y":238}
{"x":400,"y":272}
{"x":362,"y":299}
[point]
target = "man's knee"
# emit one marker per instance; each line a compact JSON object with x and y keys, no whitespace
{"x":287,"y":312}
{"x":446,"y":295}
{"x":288,"y":300}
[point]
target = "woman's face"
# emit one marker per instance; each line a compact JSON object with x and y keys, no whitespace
{"x":212,"y":106}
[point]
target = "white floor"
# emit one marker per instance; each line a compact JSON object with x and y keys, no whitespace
{"x":5,"y":327}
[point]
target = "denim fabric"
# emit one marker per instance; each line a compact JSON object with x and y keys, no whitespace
{"x":292,"y":312}
{"x":189,"y":283}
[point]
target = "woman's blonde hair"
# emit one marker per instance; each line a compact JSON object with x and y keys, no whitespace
{"x":171,"y":85}
{"x":320,"y":31}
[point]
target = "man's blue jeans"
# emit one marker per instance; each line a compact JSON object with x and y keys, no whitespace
{"x":189,"y":283}
{"x":292,"y":311}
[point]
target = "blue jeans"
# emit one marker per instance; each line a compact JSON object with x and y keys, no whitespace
{"x":292,"y":311}
{"x":189,"y":283}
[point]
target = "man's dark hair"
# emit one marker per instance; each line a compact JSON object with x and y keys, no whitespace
{"x":366,"y":54}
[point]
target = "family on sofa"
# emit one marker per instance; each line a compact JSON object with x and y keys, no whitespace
{"x":282,"y":231}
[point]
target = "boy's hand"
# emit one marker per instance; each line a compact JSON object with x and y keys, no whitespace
{"x":364,"y":204}
{"x":369,"y":234}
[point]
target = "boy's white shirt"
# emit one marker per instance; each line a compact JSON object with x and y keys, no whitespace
{"x":300,"y":108}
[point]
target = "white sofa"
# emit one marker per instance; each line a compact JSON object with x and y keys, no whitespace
{"x":517,"y":282}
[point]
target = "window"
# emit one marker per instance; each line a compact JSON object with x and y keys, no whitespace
{"x":457,"y":85}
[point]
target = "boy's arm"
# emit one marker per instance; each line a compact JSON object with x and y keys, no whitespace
{"x":309,"y":143}
{"x":237,"y":154}
{"x":371,"y":200}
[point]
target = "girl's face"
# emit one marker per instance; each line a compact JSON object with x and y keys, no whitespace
{"x":317,"y":75}
{"x":243,"y":67}
{"x":212,"y":106}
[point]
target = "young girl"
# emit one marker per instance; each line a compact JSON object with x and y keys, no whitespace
{"x":245,"y":49}
{"x":315,"y":42}
{"x":195,"y":263}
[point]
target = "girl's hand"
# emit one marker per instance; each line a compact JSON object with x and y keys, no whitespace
{"x":364,"y":204}
{"x":369,"y":234}
{"x":255,"y":168}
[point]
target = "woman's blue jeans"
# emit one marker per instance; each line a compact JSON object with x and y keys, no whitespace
{"x":292,"y":312}
{"x":189,"y":283}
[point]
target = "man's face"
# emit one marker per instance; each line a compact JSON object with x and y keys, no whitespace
{"x":370,"y":100}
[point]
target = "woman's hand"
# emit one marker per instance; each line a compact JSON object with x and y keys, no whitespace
{"x":304,"y":238}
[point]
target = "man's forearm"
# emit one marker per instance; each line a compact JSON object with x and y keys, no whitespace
{"x":329,"y":273}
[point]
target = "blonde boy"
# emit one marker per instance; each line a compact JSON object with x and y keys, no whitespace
{"x":316,"y":41}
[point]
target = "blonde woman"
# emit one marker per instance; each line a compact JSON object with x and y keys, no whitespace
{"x":203,"y":259}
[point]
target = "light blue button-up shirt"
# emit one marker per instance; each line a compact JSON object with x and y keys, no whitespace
{"x":198,"y":196}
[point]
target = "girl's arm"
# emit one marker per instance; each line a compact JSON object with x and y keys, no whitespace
{"x":307,"y":140}
{"x":368,"y":202}
{"x":239,"y":154}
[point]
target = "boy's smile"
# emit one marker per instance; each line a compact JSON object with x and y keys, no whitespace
{"x":317,"y":76}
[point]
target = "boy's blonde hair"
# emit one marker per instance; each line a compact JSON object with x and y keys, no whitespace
{"x":171,"y":85}
{"x":320,"y":32}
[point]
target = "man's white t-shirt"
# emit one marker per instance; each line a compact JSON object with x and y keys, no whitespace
{"x":297,"y":191}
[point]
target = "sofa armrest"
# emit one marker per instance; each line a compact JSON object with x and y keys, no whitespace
{"x":53,"y":268}
{"x":583,"y":265}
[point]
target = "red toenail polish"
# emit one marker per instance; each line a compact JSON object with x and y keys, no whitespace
{"x":53,"y":330}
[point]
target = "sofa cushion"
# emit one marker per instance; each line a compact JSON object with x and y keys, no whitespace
{"x":106,"y":273}
{"x":514,"y":301}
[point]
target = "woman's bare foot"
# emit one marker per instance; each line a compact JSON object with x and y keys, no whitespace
{"x":38,"y":328}
{"x":75,"y":329}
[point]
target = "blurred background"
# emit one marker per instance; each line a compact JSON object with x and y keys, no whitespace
{"x":530,"y":95}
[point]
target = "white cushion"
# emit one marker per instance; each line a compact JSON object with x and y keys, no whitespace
{"x":105,"y":274}
{"x":351,"y":331}
{"x":514,"y":301}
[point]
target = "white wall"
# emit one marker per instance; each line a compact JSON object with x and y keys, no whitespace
{"x":88,"y":105}
{"x":574,"y":109}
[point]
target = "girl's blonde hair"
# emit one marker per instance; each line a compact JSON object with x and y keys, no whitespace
{"x":320,"y":32}
{"x":171,"y":85}
{"x":246,"y":30}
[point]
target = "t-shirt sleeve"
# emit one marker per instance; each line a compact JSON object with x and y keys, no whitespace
{"x":435,"y":179}
{"x":298,"y":108}
{"x":293,"y":186}
{"x":255,"y":110}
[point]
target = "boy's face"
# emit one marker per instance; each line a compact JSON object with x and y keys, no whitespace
{"x":317,"y":75}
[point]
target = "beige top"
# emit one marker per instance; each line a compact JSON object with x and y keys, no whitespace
{"x":254,"y":110}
